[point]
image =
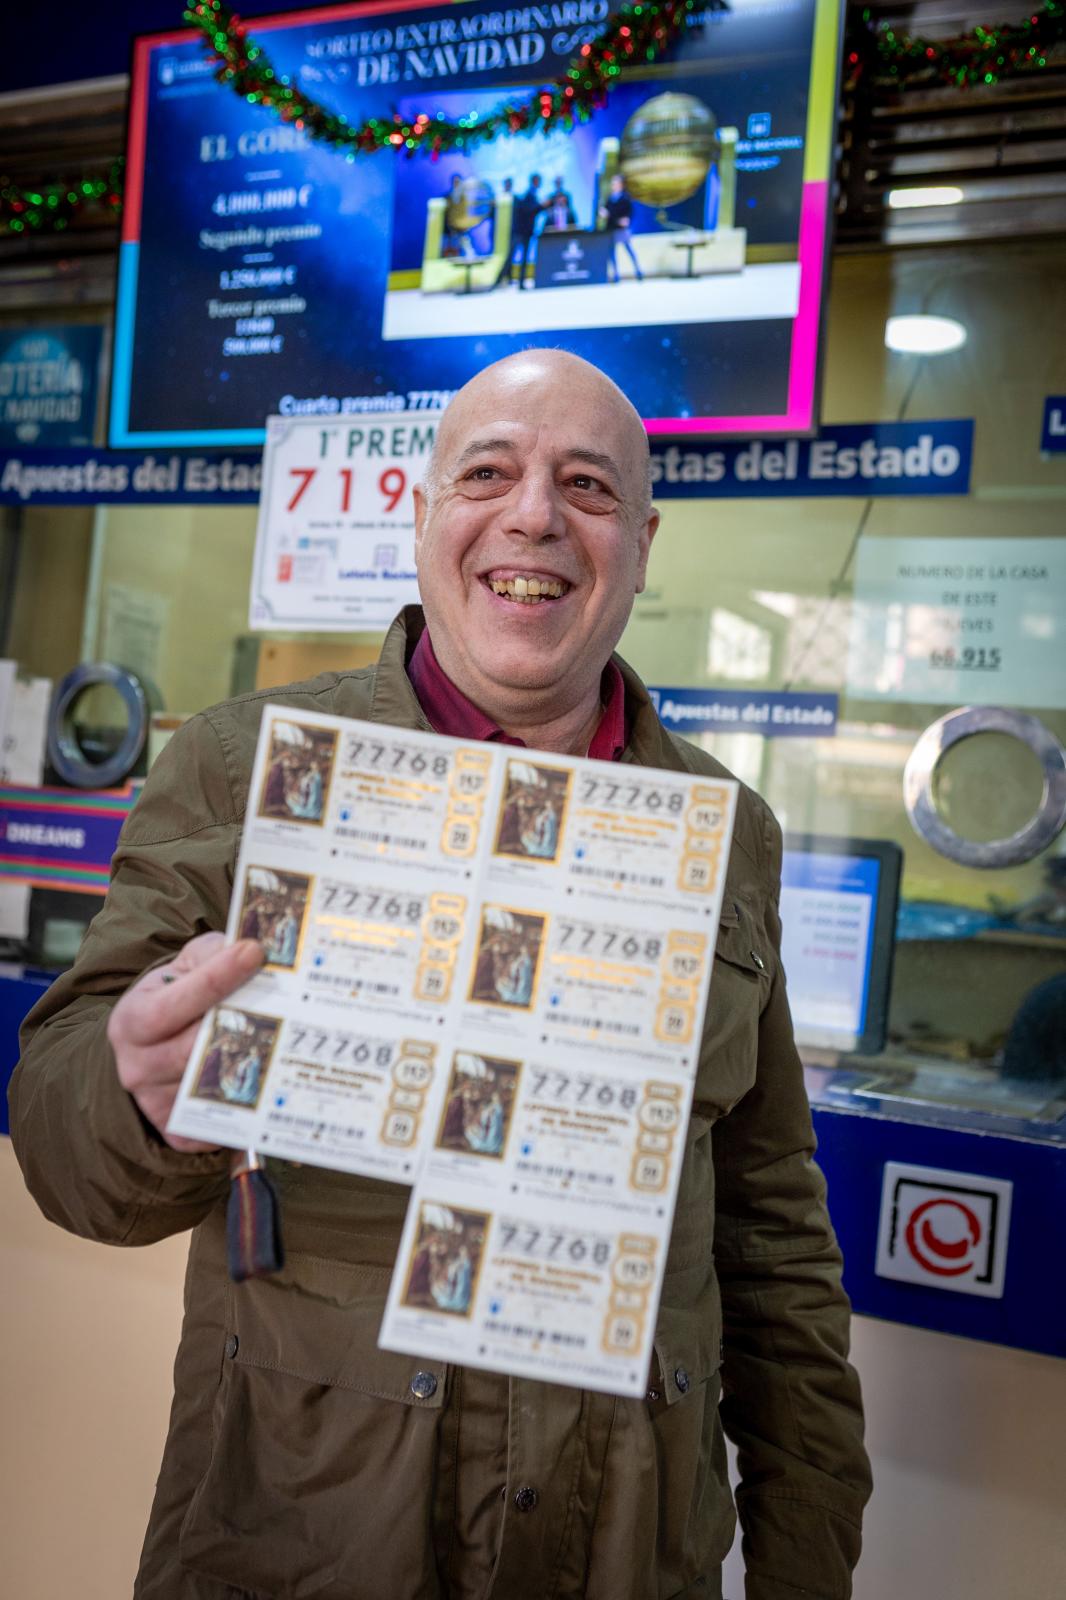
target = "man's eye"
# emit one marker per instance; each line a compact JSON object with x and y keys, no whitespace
{"x":583,"y":481}
{"x":484,"y":474}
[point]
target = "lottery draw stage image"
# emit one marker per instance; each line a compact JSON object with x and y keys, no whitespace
{"x":236,"y":1057}
{"x":299,"y":770}
{"x":446,"y":1259}
{"x":273,"y":911}
{"x":478,"y":1105}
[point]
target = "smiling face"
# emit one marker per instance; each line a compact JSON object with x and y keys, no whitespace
{"x":532,"y":534}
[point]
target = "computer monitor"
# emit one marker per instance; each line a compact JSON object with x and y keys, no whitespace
{"x":838,"y":916}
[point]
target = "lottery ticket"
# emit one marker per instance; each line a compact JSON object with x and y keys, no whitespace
{"x":559,"y":1295}
{"x":486,"y":972}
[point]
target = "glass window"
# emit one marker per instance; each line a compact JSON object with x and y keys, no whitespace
{"x":753,"y":594}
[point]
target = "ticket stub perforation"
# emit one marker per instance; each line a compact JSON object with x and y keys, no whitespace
{"x":485,"y":976}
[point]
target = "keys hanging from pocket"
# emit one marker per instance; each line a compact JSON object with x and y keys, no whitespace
{"x":253,"y":1220}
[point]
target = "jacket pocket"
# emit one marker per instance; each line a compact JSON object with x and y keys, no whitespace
{"x":696,"y":1519}
{"x":324,"y":1449}
{"x":740,"y":988}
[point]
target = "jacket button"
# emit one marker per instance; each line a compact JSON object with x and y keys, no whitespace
{"x":526,"y":1498}
{"x":758,"y":960}
{"x":653,"y":1394}
{"x":231,"y":1346}
{"x":681,"y":1378}
{"x":423,"y":1385}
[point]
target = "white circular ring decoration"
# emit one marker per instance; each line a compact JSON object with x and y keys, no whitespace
{"x":920,"y":773}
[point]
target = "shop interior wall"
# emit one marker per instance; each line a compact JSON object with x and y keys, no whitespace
{"x":51,"y":579}
{"x":175,"y":580}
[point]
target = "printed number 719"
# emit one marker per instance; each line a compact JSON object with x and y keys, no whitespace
{"x":392,"y":484}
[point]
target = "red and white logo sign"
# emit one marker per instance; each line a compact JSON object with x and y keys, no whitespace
{"x":944,"y":1229}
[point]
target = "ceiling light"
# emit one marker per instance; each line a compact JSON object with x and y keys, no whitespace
{"x":924,"y":336}
{"x":904,"y":199}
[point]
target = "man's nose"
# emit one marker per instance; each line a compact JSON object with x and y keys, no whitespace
{"x":538,"y":511}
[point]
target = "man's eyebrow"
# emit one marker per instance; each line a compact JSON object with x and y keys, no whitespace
{"x":596,"y":458}
{"x":480,"y":447}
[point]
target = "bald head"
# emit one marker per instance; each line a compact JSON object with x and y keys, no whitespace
{"x":532,"y":379}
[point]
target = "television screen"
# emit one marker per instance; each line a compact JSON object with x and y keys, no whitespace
{"x":677,"y":237}
{"x":838,"y":913}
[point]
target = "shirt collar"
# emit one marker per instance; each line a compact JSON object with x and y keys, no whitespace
{"x":450,"y":712}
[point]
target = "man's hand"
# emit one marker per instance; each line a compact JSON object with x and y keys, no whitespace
{"x":153,"y":1027}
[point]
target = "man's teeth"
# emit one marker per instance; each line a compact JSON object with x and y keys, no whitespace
{"x":530,"y":591}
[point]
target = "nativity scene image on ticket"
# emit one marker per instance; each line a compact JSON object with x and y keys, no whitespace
{"x":298,"y":772}
{"x":446,"y":1259}
{"x":532,"y":811}
{"x":510,"y":946}
{"x":273,"y":911}
{"x":236,"y":1057}
{"x":478,"y":1105}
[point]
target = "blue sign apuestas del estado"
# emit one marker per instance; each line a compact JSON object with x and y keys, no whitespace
{"x":48,"y":384}
{"x":1053,"y":435}
{"x":129,"y":477}
{"x":773,"y":714}
{"x":859,"y":459}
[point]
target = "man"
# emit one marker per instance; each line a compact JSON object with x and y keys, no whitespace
{"x":524,"y":218}
{"x":618,"y":216}
{"x":302,"y":1460}
{"x":457,"y":241}
{"x":559,"y":207}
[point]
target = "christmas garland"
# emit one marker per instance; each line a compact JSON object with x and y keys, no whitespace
{"x":51,"y":207}
{"x":634,"y":36}
{"x":981,"y":56}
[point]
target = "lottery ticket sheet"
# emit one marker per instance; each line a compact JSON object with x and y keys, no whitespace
{"x":486,"y":976}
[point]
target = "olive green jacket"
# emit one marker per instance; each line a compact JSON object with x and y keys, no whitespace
{"x":302,"y":1461}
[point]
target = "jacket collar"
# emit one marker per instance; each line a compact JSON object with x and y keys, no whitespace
{"x":394,"y":699}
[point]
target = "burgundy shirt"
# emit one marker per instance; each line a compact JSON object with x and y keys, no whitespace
{"x":449,"y":711}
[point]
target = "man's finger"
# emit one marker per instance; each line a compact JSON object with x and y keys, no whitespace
{"x":188,"y":958}
{"x":197,"y":951}
{"x":143,"y":1068}
{"x":152,"y":1014}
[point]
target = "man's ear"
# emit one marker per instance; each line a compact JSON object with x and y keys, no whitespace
{"x":645,"y":536}
{"x":421,"y":509}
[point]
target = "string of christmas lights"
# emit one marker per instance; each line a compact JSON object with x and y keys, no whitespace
{"x":979,"y":56}
{"x":51,"y":207}
{"x":633,"y":37}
